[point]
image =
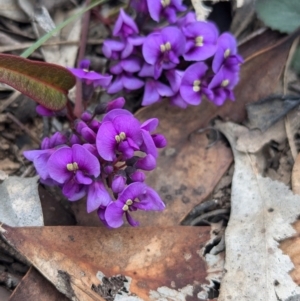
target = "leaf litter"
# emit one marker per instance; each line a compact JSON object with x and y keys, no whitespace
{"x":262,"y":211}
{"x":221,"y":193}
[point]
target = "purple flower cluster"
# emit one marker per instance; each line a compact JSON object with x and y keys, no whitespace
{"x":104,"y":160}
{"x":183,"y":61}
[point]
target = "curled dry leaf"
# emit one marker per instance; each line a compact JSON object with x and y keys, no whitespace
{"x":262,"y":211}
{"x":254,"y":140}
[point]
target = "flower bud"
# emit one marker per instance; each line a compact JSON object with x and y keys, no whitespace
{"x":138,"y":176}
{"x":118,"y":183}
{"x":159,"y":140}
{"x":146,"y":163}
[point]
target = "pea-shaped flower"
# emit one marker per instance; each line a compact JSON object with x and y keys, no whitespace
{"x":119,"y":132}
{"x":135,"y":196}
{"x":194,"y":84}
{"x":74,"y":162}
{"x":162,"y":49}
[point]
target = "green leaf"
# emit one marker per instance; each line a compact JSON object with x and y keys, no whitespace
{"x":47,"y":84}
{"x":282,"y":15}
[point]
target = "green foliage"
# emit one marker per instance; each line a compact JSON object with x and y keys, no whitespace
{"x":282,"y":15}
{"x":47,"y":84}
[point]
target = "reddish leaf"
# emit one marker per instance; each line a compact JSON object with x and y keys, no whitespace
{"x":47,"y":84}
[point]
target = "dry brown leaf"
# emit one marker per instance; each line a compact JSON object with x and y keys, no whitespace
{"x":262,"y":211}
{"x":35,"y":287}
{"x":254,"y":140}
{"x":151,"y":262}
{"x":291,"y":246}
{"x":11,"y":10}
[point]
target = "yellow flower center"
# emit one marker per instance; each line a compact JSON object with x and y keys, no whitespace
{"x":199,"y":41}
{"x":226,"y":53}
{"x":225,"y":83}
{"x":165,"y":47}
{"x":165,"y":3}
{"x":196,"y":85}
{"x":127,"y":204}
{"x":72,"y":166}
{"x":120,"y":137}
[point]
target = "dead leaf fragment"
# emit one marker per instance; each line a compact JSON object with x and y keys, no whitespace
{"x":35,"y":287}
{"x":254,"y":140}
{"x":262,"y":211}
{"x":152,"y":259}
{"x":20,"y":204}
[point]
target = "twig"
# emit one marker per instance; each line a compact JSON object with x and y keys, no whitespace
{"x":78,"y":110}
{"x":6,"y":103}
{"x":23,"y":127}
{"x":26,"y":45}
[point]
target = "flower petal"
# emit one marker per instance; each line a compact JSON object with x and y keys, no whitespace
{"x":57,"y":165}
{"x":106,"y":142}
{"x":86,"y":161}
{"x":114,"y":214}
{"x":150,"y":200}
{"x":150,"y":93}
{"x":97,"y":196}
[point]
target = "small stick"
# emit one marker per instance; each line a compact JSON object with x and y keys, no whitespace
{"x":78,"y":110}
{"x":24,"y":128}
{"x":27,"y":45}
{"x":6,"y":103}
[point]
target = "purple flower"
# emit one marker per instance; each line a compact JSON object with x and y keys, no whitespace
{"x":137,"y":176}
{"x":131,"y":64}
{"x":221,"y":85}
{"x":193,"y":84}
{"x":105,"y":107}
{"x":154,"y":90}
{"x":201,"y":41}
{"x":147,"y":70}
{"x":90,"y":77}
{"x":165,"y":8}
{"x":56,"y":140}
{"x":125,"y":80}
{"x":40,"y":159}
{"x":74,"y":191}
{"x":175,"y":77}
{"x":118,"y":182}
{"x":226,"y":54}
{"x":162,"y":49}
{"x":43,"y":111}
{"x":131,"y":44}
{"x":112,"y":49}
{"x":73,"y":164}
{"x":190,"y":17}
{"x":146,"y":163}
{"x":97,"y":196}
{"x":121,"y":134}
{"x":159,"y":140}
{"x":125,"y":26}
{"x":134,"y":196}
{"x":139,"y":6}
{"x":148,"y":145}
